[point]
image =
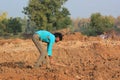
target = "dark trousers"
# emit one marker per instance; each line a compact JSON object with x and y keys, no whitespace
{"x":43,"y":58}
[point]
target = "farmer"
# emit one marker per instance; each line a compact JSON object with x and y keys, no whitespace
{"x":49,"y":38}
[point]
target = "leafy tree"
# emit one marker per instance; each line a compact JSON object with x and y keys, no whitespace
{"x":101,"y":23}
{"x":14,"y":26}
{"x":23,"y":23}
{"x":3,"y":16}
{"x":2,"y":28}
{"x":48,"y":14}
{"x":3,"y":23}
{"x":30,"y":27}
{"x":97,"y":25}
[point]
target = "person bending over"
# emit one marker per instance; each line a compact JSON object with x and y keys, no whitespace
{"x":49,"y":38}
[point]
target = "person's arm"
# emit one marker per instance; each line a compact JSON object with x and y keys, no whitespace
{"x":49,"y":48}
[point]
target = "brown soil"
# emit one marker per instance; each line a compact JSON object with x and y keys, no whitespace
{"x":78,"y":57}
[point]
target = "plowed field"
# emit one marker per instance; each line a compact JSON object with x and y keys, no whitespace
{"x":78,"y":58}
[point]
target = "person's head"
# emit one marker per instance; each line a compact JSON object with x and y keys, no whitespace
{"x":58,"y":36}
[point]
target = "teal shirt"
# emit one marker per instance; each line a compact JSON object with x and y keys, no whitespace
{"x":47,"y":37}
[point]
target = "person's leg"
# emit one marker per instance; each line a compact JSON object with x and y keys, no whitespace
{"x":43,"y":54}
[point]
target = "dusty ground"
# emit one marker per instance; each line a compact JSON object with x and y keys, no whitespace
{"x":81,"y":58}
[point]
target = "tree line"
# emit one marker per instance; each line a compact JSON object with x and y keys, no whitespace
{"x":52,"y":15}
{"x":97,"y":24}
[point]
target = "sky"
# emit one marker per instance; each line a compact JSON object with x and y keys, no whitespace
{"x":77,"y":8}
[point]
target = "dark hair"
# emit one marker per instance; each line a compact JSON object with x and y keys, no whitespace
{"x":58,"y":34}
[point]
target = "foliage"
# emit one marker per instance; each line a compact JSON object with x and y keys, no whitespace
{"x":11,"y":25}
{"x":96,"y":24}
{"x":30,"y":27}
{"x":14,"y":26}
{"x":48,"y":14}
{"x":3,"y":22}
{"x":99,"y":24}
{"x":2,"y":26}
{"x":3,"y":16}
